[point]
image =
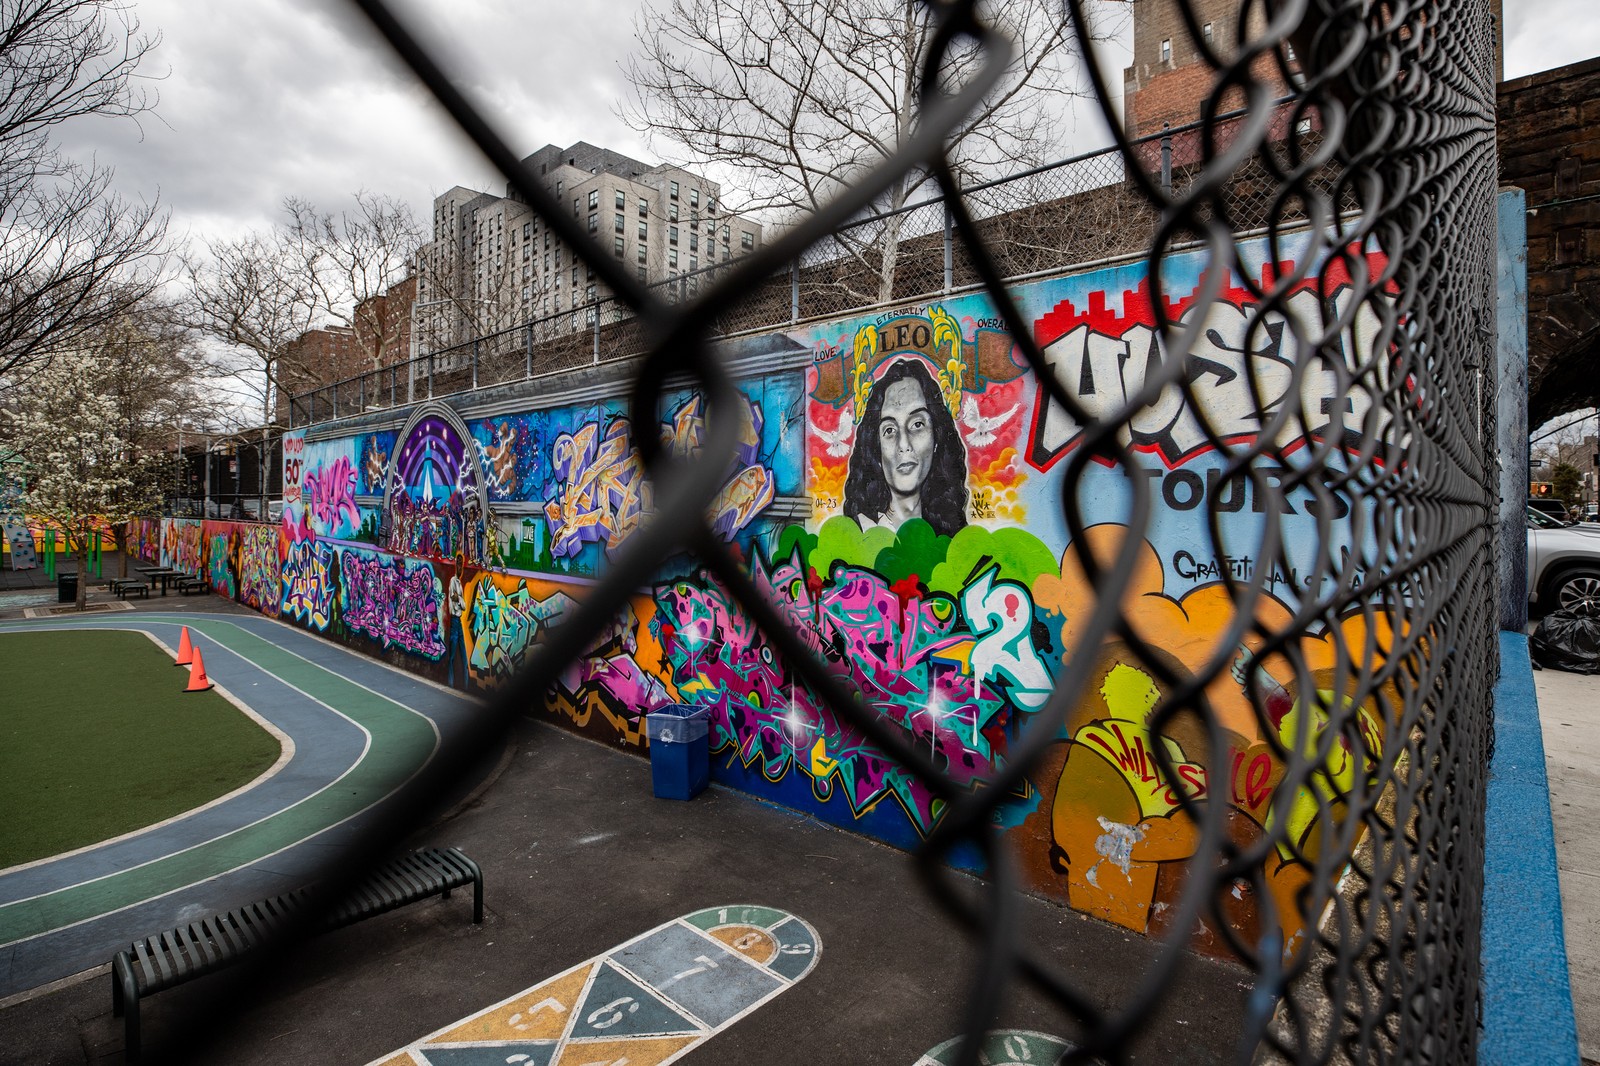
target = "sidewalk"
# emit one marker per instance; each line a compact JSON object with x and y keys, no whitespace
{"x":1569,"y":715}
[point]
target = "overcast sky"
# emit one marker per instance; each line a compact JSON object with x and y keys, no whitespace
{"x":263,"y":99}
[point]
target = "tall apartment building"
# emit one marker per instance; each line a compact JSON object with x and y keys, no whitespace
{"x":493,"y":265}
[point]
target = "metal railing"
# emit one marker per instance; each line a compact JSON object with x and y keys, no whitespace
{"x":1046,"y":219}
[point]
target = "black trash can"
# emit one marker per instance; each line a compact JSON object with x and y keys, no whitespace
{"x":66,"y":587}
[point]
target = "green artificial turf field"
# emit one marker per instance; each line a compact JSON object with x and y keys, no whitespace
{"x":97,"y":738}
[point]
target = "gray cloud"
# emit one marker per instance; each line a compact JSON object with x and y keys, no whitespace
{"x":263,"y":99}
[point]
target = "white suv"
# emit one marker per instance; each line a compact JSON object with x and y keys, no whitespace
{"x":1563,"y":565}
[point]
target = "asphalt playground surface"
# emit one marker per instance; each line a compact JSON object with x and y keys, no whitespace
{"x":582,"y":864}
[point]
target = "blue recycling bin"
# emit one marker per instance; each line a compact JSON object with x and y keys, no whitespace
{"x":680,"y":758}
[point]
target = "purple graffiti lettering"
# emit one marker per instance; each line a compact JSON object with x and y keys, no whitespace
{"x":307,"y":577}
{"x":392,"y":602}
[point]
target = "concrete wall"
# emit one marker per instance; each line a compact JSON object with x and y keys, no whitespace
{"x":954,"y":626}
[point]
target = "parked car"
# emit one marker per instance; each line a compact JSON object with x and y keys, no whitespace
{"x":1563,"y":565}
{"x":1554,"y":508}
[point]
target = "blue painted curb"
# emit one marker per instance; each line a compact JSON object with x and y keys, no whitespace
{"x":1527,"y":998}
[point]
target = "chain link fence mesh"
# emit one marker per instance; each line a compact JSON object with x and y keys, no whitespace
{"x":1384,"y":154}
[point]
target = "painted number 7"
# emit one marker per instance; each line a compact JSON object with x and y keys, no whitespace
{"x":706,"y":964}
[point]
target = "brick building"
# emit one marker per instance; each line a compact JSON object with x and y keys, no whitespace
{"x":1169,"y":79}
{"x":1549,"y":141}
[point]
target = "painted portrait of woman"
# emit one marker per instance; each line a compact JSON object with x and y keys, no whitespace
{"x":908,"y":460}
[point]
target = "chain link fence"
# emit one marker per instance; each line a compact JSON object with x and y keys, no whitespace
{"x":1384,"y":156}
{"x":1045,"y":220}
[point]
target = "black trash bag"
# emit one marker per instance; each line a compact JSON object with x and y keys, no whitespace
{"x":1567,"y":641}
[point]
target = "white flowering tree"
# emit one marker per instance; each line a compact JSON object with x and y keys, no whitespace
{"x":81,"y":469}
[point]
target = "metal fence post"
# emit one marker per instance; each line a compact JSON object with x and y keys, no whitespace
{"x":949,"y":247}
{"x":361,"y":393}
{"x":475,"y":343}
{"x":794,"y":290}
{"x":392,"y":376}
{"x":597,"y":333}
{"x":430,"y":375}
{"x":527,"y":344}
{"x":1166,"y":158}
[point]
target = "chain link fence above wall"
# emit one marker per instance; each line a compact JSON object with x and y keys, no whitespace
{"x":1045,"y":220}
{"x":1383,"y":161}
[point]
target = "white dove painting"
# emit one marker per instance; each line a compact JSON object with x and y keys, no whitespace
{"x":982,"y":430}
{"x":838,"y":440}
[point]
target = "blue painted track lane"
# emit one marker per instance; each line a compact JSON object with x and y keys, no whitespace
{"x":358,"y":729}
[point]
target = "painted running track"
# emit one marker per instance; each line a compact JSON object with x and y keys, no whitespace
{"x":354,"y":730}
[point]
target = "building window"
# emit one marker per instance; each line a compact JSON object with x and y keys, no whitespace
{"x":574,"y":277}
{"x":618,"y":223}
{"x":747,"y":240}
{"x":644,"y":230}
{"x":588,"y":294}
{"x":674,"y":190}
{"x":672,"y":234}
{"x":1166,"y":50}
{"x":724,"y":234}
{"x":594,"y":223}
{"x":525,"y":293}
{"x":558,"y":257}
{"x":694,"y":218}
{"x":527,"y":230}
{"x":711,"y":205}
{"x":694,"y":197}
{"x":558,"y":303}
{"x":672,"y":212}
{"x":694,"y":263}
{"x":672,"y":258}
{"x":641,"y":272}
{"x":558,"y":187}
{"x":547,"y":240}
{"x":547,"y":263}
{"x":621,"y":200}
{"x":1206,"y":30}
{"x":618,"y":246}
{"x":694,"y":242}
{"x":642,"y":253}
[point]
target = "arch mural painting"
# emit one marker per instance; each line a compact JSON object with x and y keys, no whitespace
{"x":897,"y":496}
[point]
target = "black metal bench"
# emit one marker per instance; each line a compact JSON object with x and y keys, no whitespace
{"x":123,"y":587}
{"x":191,"y":585}
{"x":170,"y":958}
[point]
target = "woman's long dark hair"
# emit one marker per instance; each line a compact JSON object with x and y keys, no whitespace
{"x":944,"y":492}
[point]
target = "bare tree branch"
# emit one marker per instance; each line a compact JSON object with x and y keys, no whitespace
{"x":74,"y":256}
{"x":794,"y":98}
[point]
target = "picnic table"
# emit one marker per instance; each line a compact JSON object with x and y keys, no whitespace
{"x":163,"y":574}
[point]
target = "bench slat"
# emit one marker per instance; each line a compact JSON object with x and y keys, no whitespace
{"x":197,"y":948}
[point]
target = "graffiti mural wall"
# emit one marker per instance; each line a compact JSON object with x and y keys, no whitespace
{"x":896,"y":496}
{"x":259,"y":573}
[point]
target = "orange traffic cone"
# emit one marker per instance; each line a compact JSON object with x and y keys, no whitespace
{"x":185,"y":650}
{"x":198,"y":681}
